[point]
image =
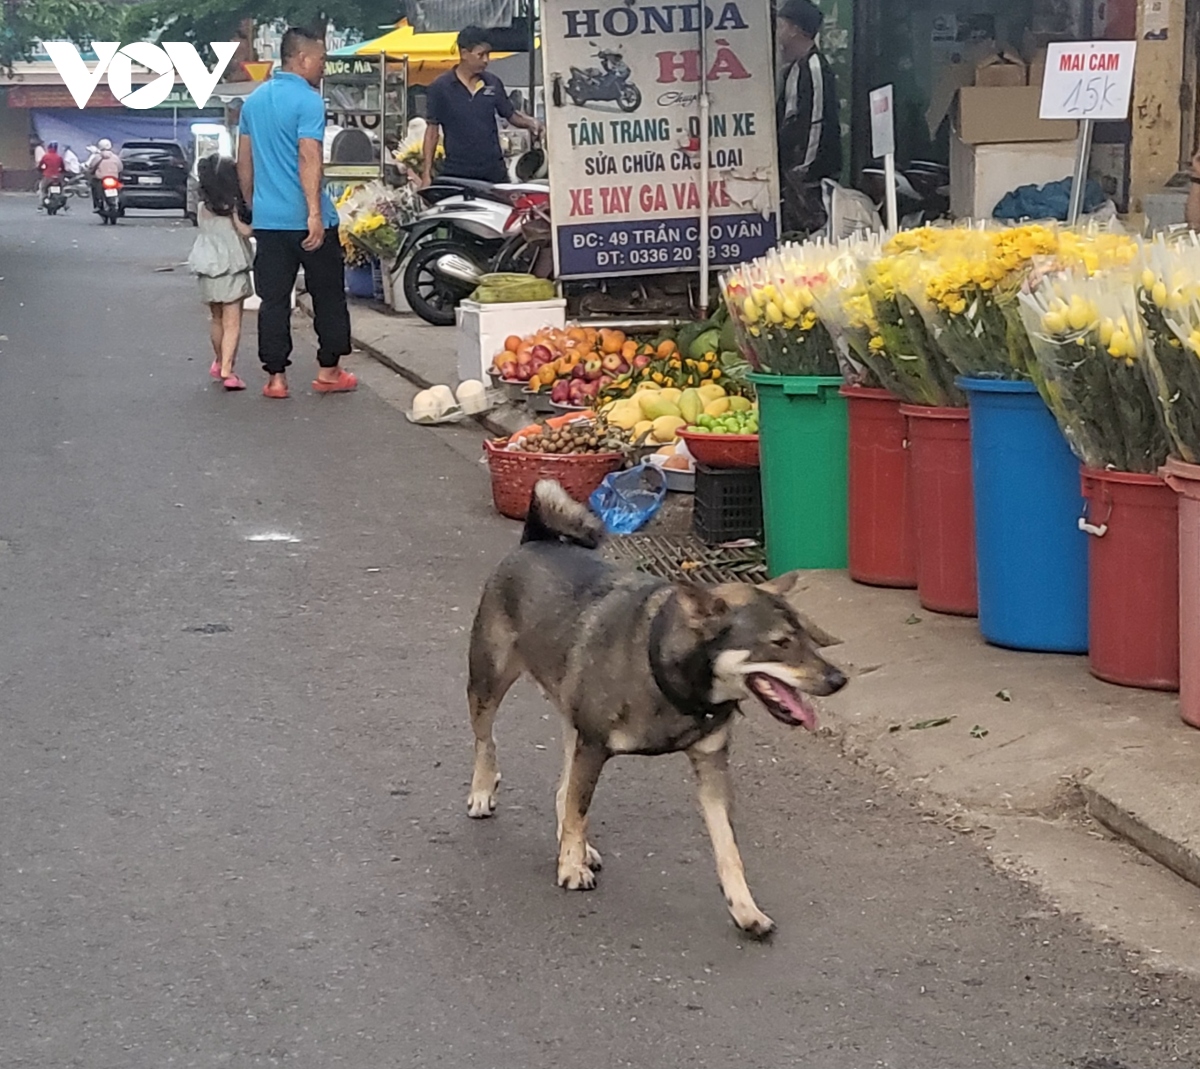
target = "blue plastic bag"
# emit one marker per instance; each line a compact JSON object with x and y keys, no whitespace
{"x":627,"y":500}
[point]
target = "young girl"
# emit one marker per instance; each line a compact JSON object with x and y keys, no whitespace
{"x":221,"y":258}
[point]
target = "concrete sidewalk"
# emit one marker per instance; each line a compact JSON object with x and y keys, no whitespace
{"x":1035,"y":750}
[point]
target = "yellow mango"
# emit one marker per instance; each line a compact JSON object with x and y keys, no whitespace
{"x":625,"y":414}
{"x":670,"y":393}
{"x":740,"y":404}
{"x":655,"y":407}
{"x":711,"y":392}
{"x":667,"y":428}
{"x":643,"y":427}
{"x":720,"y":407}
{"x":691,"y":405}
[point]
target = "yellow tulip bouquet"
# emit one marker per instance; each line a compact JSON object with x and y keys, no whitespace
{"x":772,"y":303}
{"x":1169,"y":295}
{"x":1091,"y":347}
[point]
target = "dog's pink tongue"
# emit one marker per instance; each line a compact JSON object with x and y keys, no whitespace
{"x":793,"y":701}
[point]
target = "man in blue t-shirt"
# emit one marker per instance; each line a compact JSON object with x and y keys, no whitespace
{"x":280,"y":166}
{"x":462,"y":106}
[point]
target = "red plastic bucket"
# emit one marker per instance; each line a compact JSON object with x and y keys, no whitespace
{"x":882,"y":534}
{"x":1184,"y":479}
{"x":1133,"y":579}
{"x":940,"y":453}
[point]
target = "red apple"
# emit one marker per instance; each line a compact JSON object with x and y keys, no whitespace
{"x":612,"y":362}
{"x":561,"y":394}
{"x":578,"y":372}
{"x":508,"y":370}
{"x":641,"y":362}
{"x":540,"y":352}
{"x":592,"y":390}
{"x":524,"y":372}
{"x":623,"y":369}
{"x":605,"y":381}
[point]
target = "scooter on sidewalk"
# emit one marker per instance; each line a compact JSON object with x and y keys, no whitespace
{"x":471,"y":228}
{"x":110,"y":201}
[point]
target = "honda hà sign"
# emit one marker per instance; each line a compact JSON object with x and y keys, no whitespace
{"x":168,"y":61}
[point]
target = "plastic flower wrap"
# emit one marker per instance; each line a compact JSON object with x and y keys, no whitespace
{"x":1169,"y":295}
{"x":1091,"y":348}
{"x":773,"y":306}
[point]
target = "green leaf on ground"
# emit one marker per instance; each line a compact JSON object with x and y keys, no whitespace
{"x":914,"y":619}
{"x":978,"y":732}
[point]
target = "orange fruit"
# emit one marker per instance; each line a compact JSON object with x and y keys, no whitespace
{"x":667,"y":348}
{"x":512,"y":343}
{"x":629,"y":350}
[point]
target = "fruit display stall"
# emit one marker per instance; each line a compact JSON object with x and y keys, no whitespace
{"x":1006,"y":419}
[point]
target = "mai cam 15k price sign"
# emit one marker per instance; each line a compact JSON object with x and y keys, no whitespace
{"x":1089,"y":81}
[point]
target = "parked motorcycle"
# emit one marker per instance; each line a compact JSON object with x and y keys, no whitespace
{"x":53,"y":198}
{"x":471,"y":228}
{"x":609,"y":81}
{"x":110,"y":201}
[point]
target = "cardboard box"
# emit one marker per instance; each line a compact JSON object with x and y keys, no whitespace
{"x":1037,"y":68}
{"x":990,"y":115}
{"x":1003,"y":68}
{"x":980,"y":175}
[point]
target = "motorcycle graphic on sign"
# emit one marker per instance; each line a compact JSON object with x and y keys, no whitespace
{"x":608,"y":82}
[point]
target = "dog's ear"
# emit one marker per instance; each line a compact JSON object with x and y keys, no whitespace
{"x":702,"y":609}
{"x":784,"y":586}
{"x":787,"y":587}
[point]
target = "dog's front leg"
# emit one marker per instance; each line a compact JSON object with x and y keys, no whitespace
{"x":716,"y":803}
{"x":574,"y":872}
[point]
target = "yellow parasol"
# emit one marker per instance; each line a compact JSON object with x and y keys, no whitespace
{"x":429,"y":54}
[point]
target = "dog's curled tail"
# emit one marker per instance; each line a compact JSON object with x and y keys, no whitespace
{"x":554,"y":515}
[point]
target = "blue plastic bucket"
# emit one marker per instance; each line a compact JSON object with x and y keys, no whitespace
{"x":1032,"y":557}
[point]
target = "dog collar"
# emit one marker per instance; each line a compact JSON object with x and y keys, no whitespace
{"x":685,"y":703}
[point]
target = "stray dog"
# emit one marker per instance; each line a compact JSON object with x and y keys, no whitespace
{"x":635,"y":665}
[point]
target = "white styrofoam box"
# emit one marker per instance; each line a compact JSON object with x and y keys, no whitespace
{"x":482,"y":329}
{"x":980,"y":175}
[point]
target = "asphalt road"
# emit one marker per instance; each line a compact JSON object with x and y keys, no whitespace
{"x":233,"y":771}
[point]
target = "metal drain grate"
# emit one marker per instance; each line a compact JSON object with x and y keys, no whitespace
{"x":686,"y":557}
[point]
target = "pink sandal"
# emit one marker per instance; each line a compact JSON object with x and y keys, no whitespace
{"x":215,"y":370}
{"x":344,"y":383}
{"x":233,"y":383}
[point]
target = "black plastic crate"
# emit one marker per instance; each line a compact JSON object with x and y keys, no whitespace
{"x":728,"y":504}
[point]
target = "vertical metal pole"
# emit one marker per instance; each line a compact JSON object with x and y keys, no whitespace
{"x":705,"y":105}
{"x":383,"y":116}
{"x":1083,"y":156}
{"x":533,"y":58}
{"x":889,"y":177}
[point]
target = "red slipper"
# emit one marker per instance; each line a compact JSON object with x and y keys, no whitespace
{"x":344,"y":383}
{"x":277,"y":393}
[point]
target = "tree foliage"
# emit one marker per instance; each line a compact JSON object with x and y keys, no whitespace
{"x":25,"y":22}
{"x":201,"y":21}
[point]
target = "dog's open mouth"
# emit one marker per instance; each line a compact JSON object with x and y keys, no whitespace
{"x":785,"y":703}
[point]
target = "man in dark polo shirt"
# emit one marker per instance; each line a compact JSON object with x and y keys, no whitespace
{"x":462,"y":108}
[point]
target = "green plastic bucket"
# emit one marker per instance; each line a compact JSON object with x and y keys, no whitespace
{"x":804,"y":442}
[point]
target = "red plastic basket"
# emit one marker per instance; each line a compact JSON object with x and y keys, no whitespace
{"x":514,"y":475}
{"x":722,"y":450}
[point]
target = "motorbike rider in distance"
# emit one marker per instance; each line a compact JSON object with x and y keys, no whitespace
{"x":102,"y":163}
{"x":51,"y":166}
{"x":463,"y":105}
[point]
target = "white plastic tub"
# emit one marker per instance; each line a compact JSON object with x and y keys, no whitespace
{"x":482,"y":329}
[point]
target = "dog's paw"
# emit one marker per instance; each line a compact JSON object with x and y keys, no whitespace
{"x":481,"y":804}
{"x":575,"y":877}
{"x":753,"y":921}
{"x":593,"y":860}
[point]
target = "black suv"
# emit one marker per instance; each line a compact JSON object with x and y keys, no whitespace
{"x":154,"y":174}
